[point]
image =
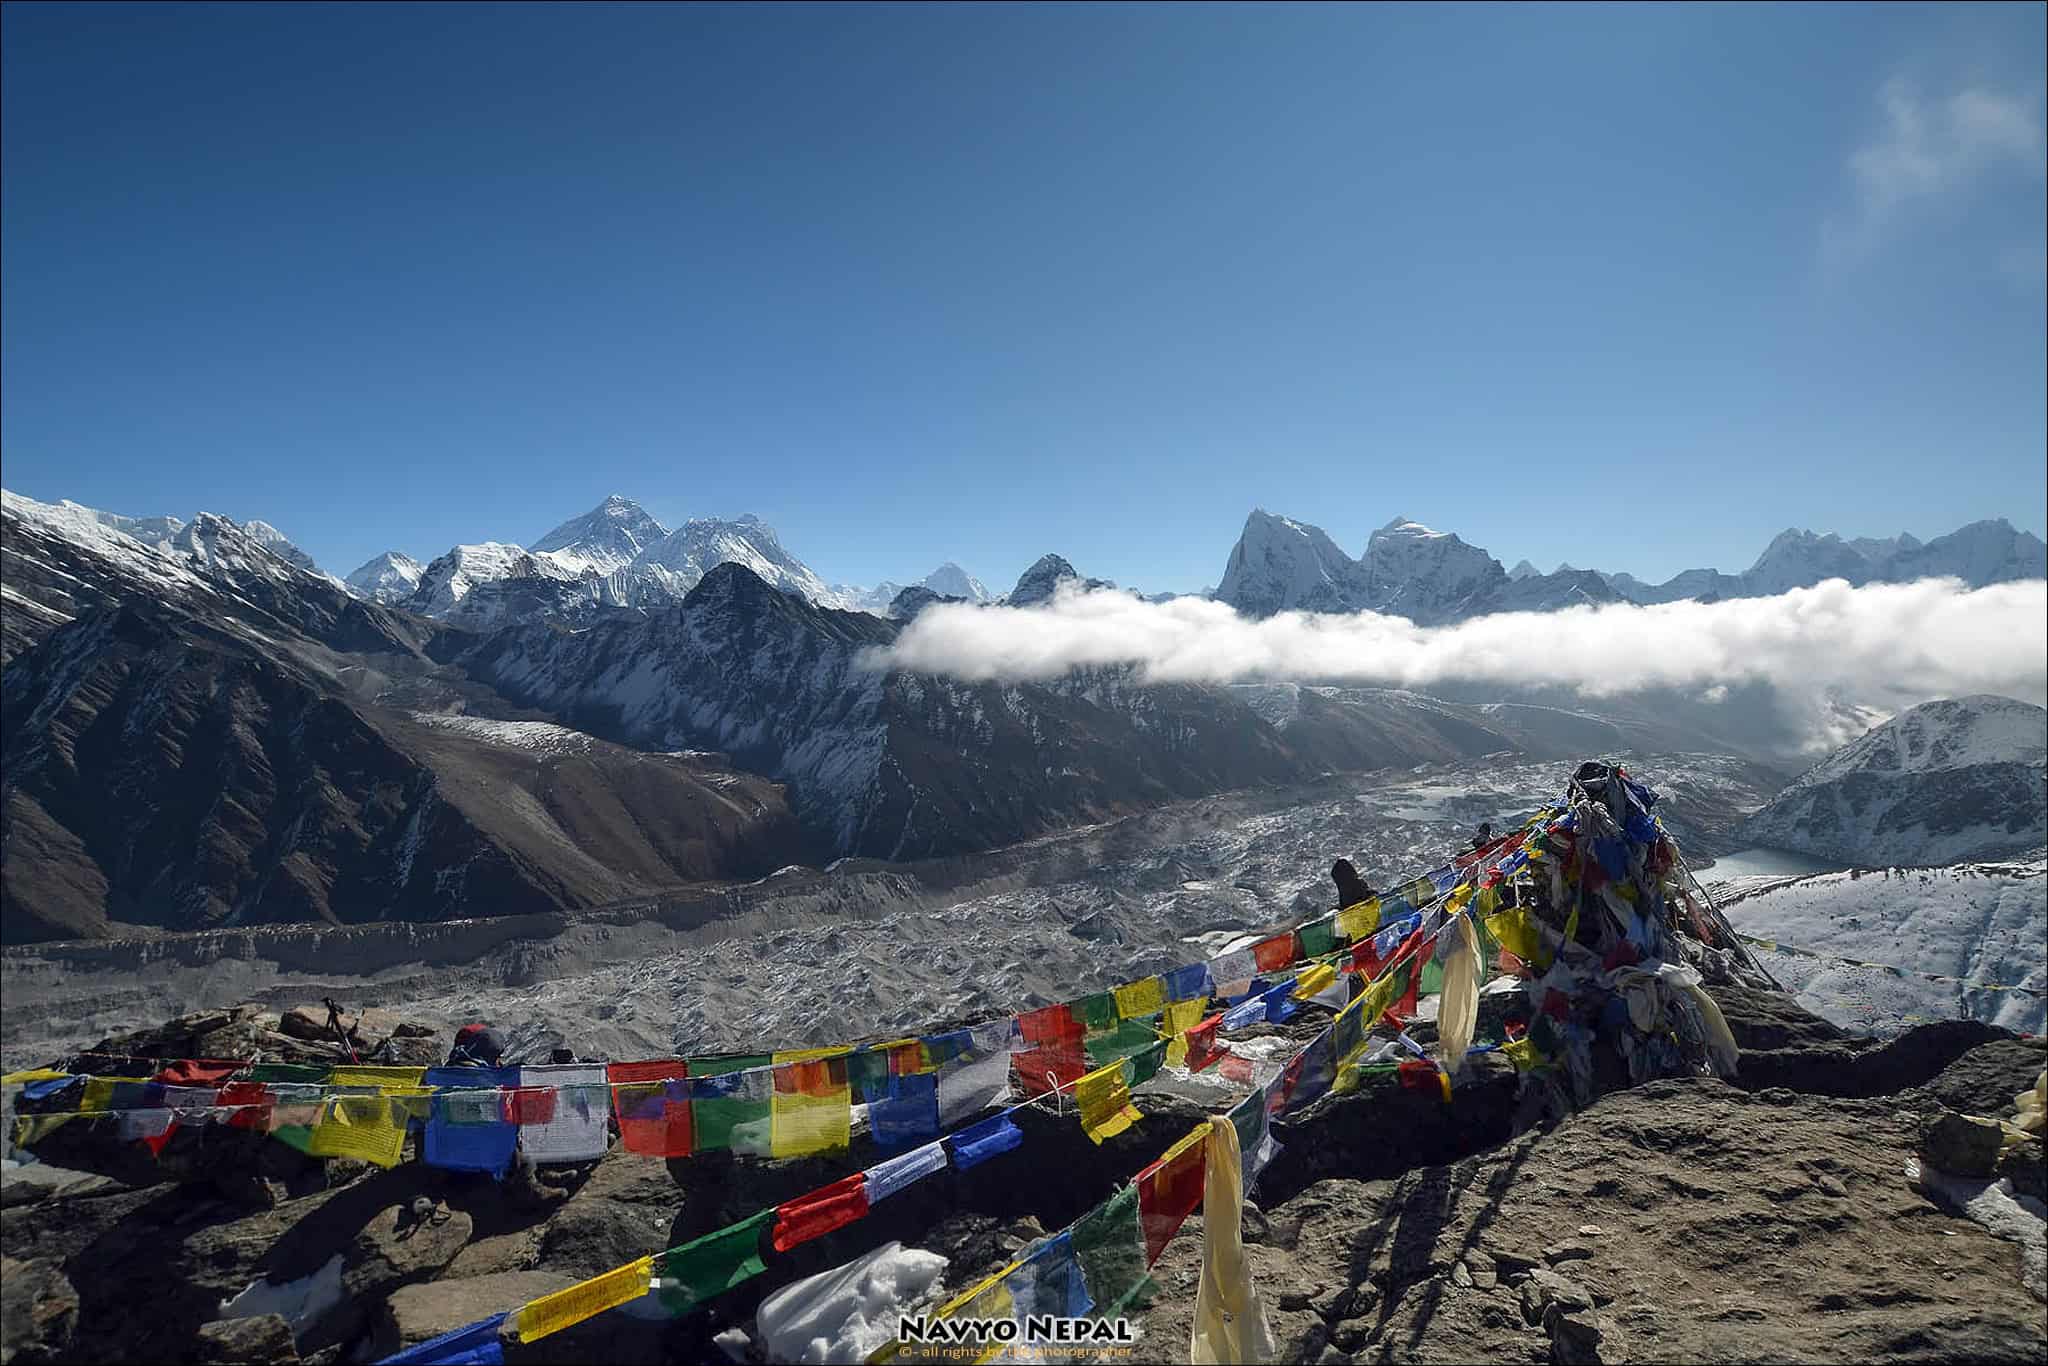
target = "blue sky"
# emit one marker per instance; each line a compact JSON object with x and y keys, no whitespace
{"x":1635,"y":288}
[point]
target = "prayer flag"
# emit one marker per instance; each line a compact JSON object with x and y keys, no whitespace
{"x":817,"y":1214}
{"x":1048,"y":1281}
{"x":1170,"y":1189}
{"x":1275,"y":953}
{"x":1180,"y":1017}
{"x":971,"y":1084}
{"x":1105,"y":1101}
{"x":730,"y":1103}
{"x":1110,"y":1243}
{"x":813,"y":1107}
{"x":1053,"y":1052}
{"x":1359,"y":921}
{"x":1202,"y":1046}
{"x":1313,"y":980}
{"x":1141,"y":999}
{"x":1232,"y":970}
{"x":587,"y":1299}
{"x":1318,"y":938}
{"x":886,"y":1178}
{"x":475,"y":1344}
{"x":384,"y":1079}
{"x":1190,"y":983}
{"x":580,"y":1127}
{"x":909,"y":1113}
{"x":198,"y":1072}
{"x":359,"y":1127}
{"x":697,"y":1271}
{"x":976,"y":1144}
{"x":652,"y":1101}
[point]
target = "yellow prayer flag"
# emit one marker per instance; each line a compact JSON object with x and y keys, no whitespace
{"x":1140,"y":1000}
{"x":386,"y":1079}
{"x":1517,"y":932}
{"x":586,"y":1299}
{"x":1314,"y":979}
{"x":1105,"y":1101}
{"x":362,"y":1128}
{"x":1358,"y":922}
{"x":33,"y":1074}
{"x":1181,"y":1016}
{"x":99,"y":1095}
{"x":812,"y":1108}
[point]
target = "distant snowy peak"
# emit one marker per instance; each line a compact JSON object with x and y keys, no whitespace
{"x":1955,"y":779}
{"x":1281,"y":565}
{"x":390,"y":578}
{"x":1942,"y":735}
{"x":1038,"y":583}
{"x":451,"y":578}
{"x":684,"y":556}
{"x":1979,"y":554}
{"x":1522,"y":570}
{"x":1427,"y":575}
{"x":949,"y":580}
{"x":604,"y":539}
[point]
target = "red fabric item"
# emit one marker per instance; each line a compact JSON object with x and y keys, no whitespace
{"x":198,"y":1072}
{"x":1168,"y":1192}
{"x":817,"y":1214}
{"x":814,"y":1077}
{"x":906,"y":1059}
{"x":247,"y":1093}
{"x":1235,"y":1067}
{"x":1402,"y":1007}
{"x":1202,"y":1046}
{"x":529,"y":1104}
{"x":1420,"y":1075}
{"x":156,"y":1144}
{"x":1275,"y":953}
{"x":1056,"y":1055}
{"x":651,"y":1125}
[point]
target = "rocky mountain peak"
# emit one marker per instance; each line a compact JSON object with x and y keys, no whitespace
{"x":604,"y":539}
{"x":1042,"y":579}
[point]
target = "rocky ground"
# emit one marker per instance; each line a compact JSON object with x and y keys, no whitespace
{"x":1781,"y":1217}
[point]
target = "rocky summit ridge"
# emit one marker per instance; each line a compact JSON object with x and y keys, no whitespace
{"x":1796,"y":1212}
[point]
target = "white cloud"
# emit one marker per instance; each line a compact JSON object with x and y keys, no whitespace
{"x":1883,"y":645}
{"x":1926,"y":149}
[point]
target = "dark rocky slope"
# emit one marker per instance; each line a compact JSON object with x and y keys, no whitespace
{"x":1683,"y":1220}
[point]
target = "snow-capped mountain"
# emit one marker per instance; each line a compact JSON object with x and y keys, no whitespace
{"x":1942,"y":782}
{"x":1038,"y":583}
{"x":605,"y":539}
{"x":1523,"y":570}
{"x":1408,"y":570}
{"x":1281,"y":565}
{"x":679,"y":561}
{"x":1977,"y":922}
{"x":949,"y":580}
{"x":480,"y":584}
{"x":391,"y":578}
{"x":1979,"y":554}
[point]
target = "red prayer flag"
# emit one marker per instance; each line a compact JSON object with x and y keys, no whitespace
{"x":1168,"y":1192}
{"x":251,"y":1093}
{"x":817,"y":1214}
{"x":529,"y":1105}
{"x":1056,"y":1052}
{"x":1275,"y":953}
{"x":198,"y":1072}
{"x":654,"y":1121}
{"x":1202,"y":1046}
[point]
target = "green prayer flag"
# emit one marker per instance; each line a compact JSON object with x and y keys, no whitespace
{"x":1432,"y":978}
{"x":1121,"y":1041}
{"x":1110,"y":1243}
{"x":714,"y":1119}
{"x":1319,"y":938}
{"x":279,"y":1072}
{"x":712,"y":1265}
{"x":1145,"y":1063}
{"x":1097,"y":1012}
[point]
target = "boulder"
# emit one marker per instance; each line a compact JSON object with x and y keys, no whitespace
{"x":38,"y":1311}
{"x":626,"y":1209}
{"x":260,"y":1340}
{"x":2025,"y":1164}
{"x":1574,"y":1335}
{"x":416,"y":1313}
{"x":397,"y":1247}
{"x":1962,"y":1145}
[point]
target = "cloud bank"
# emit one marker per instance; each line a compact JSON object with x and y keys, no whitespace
{"x":1885,"y":645}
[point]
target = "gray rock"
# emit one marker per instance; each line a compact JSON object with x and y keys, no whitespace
{"x":260,"y":1340}
{"x":1461,"y":1277}
{"x":1567,"y":1252}
{"x":395,"y":1248}
{"x":1962,"y":1145}
{"x":1546,"y":1289}
{"x":1575,"y":1335}
{"x":38,"y":1311}
{"x":416,"y":1313}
